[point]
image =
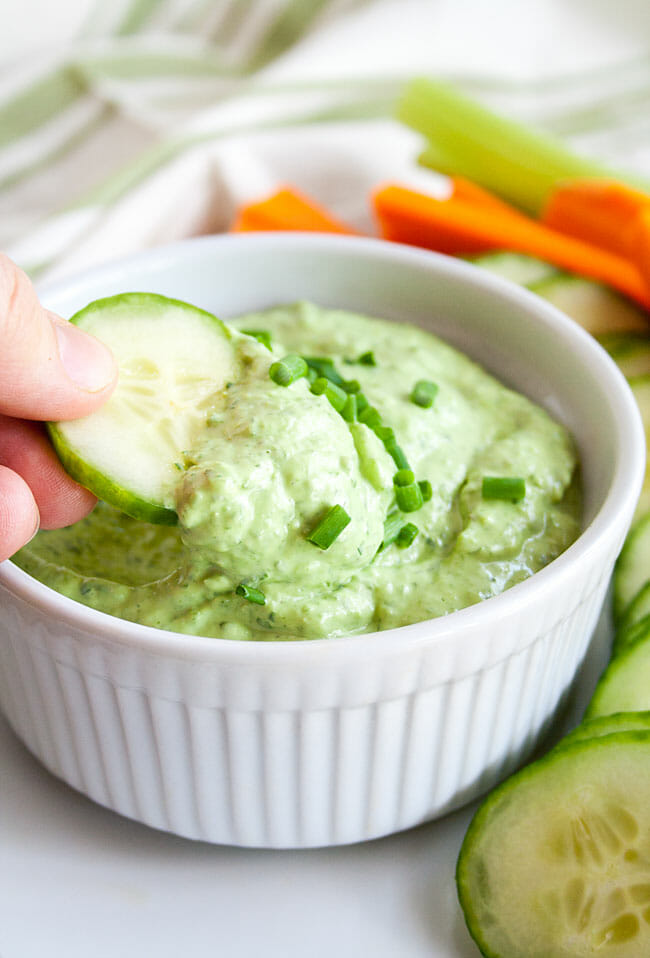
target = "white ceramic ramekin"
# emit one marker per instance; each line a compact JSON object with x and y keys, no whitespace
{"x":299,"y":744}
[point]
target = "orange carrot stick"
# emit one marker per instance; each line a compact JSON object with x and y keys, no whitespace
{"x":288,"y":210}
{"x":600,"y":212}
{"x":458,"y":226}
{"x":471,"y":192}
{"x":642,"y":243}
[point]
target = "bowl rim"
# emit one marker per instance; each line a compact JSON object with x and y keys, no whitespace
{"x":609,"y":522}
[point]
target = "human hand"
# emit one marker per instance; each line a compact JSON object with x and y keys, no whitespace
{"x":49,"y":369}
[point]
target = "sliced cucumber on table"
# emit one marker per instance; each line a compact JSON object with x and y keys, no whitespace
{"x":640,"y":386}
{"x":630,"y":351}
{"x":632,"y":569}
{"x":596,"y":307}
{"x":556,"y":862}
{"x":638,"y":608}
{"x":629,"y":632}
{"x":516,"y":267}
{"x":607,"y":725}
{"x":624,"y":686}
{"x":173,"y":359}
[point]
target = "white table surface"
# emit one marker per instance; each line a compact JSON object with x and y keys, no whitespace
{"x":79,"y":881}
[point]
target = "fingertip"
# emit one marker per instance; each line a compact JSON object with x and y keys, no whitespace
{"x":19,"y":516}
{"x":26,"y":450}
{"x":50,"y":369}
{"x":72,"y":504}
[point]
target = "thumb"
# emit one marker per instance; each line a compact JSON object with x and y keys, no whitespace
{"x":49,"y":369}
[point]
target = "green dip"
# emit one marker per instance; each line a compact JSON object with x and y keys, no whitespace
{"x":273,"y":460}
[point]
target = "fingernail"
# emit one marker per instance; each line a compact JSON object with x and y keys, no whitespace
{"x":88,"y":363}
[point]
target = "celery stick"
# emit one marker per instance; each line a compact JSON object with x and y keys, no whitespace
{"x":465,"y":138}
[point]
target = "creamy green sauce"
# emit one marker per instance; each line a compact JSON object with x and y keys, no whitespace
{"x":272,"y":460}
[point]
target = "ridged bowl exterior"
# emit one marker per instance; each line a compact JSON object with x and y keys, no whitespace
{"x":287,"y":760}
{"x":330,"y":741}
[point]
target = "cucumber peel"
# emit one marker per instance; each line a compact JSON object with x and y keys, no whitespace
{"x":606,"y":725}
{"x":631,"y":571}
{"x":174,"y":361}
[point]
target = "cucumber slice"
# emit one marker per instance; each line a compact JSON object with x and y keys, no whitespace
{"x":607,"y":725}
{"x":640,"y":386}
{"x":521,"y":269}
{"x":624,"y":686}
{"x":174,"y":360}
{"x":556,"y":862}
{"x":638,"y":608}
{"x":632,"y":569}
{"x":594,"y":306}
{"x":627,"y":635}
{"x":630,"y":352}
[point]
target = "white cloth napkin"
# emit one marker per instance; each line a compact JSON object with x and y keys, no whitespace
{"x":145,"y":121}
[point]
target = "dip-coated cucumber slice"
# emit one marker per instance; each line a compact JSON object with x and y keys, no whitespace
{"x":594,"y":306}
{"x":624,"y":686}
{"x":556,"y":863}
{"x":174,"y":360}
{"x":632,"y":569}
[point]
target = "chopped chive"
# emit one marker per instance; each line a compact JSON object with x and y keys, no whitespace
{"x":349,"y":411}
{"x":371,"y":418}
{"x":396,"y":452}
{"x":384,"y":433}
{"x":409,"y":498}
{"x":398,"y":532}
{"x":407,"y":491}
{"x":406,"y":536}
{"x":423,"y":393}
{"x":403,"y":477}
{"x":426,"y":489}
{"x":351,"y":385}
{"x":263,"y":336}
{"x":311,"y":375}
{"x":319,"y":385}
{"x":324,"y":366}
{"x":250,"y":594}
{"x":332,"y":392}
{"x":330,"y":527}
{"x":287,"y":370}
{"x":367,"y":359}
{"x":362,"y":403}
{"x":392,"y":525}
{"x":504,"y":487}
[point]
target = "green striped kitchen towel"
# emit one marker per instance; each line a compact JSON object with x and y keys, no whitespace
{"x":152,"y":119}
